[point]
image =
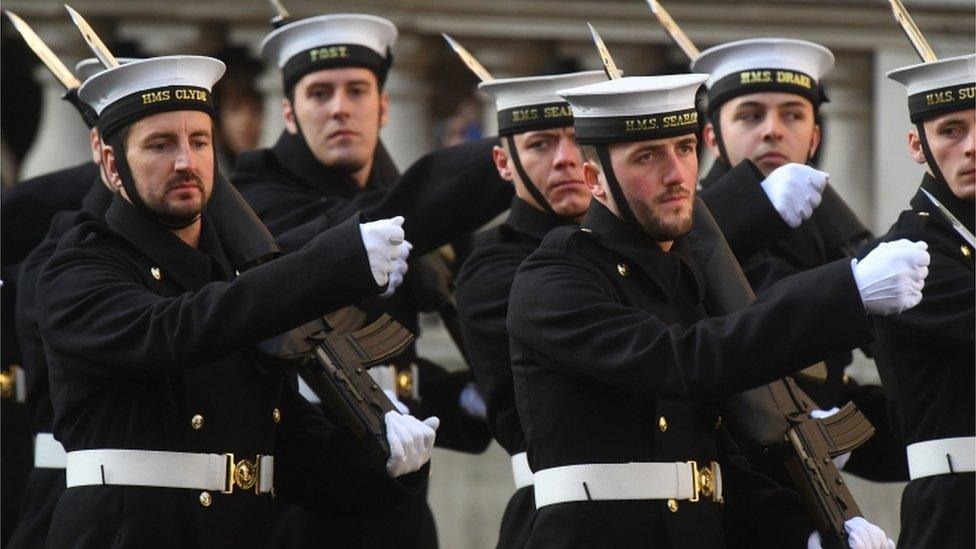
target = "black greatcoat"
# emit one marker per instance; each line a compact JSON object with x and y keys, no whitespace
{"x":443,"y":196}
{"x":770,"y":251}
{"x":608,"y":336}
{"x":132,"y":357}
{"x":483,"y":287}
{"x":927,"y":358}
{"x":44,"y":485}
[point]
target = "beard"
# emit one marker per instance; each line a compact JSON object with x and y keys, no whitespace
{"x":656,"y":226}
{"x":177,"y":215}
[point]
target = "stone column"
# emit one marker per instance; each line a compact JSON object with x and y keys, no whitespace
{"x":407,"y":134}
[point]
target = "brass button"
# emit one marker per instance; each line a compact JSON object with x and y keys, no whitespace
{"x":718,"y":422}
{"x":587,"y":231}
{"x":673,"y":505}
{"x":404,"y":384}
{"x":662,"y":423}
{"x":196,"y":421}
{"x":623,"y":269}
{"x":156,"y":273}
{"x":276,"y":415}
{"x":206,"y":499}
{"x":246,"y":474}
{"x":845,"y":379}
{"x":923,"y":214}
{"x":965,"y":251}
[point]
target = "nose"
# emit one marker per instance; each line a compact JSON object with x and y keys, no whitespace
{"x":971,"y":142}
{"x":772,"y":128}
{"x":567,"y":153}
{"x":673,"y":174}
{"x":340,"y":104}
{"x":185,"y":160}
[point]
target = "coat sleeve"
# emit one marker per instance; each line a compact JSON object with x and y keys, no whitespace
{"x":793,"y":324}
{"x":743,"y":211}
{"x":442,"y":196}
{"x":323,"y":468}
{"x":92,"y":304}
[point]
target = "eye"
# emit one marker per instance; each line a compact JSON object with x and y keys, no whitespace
{"x":748,"y":116}
{"x":357,"y":91}
{"x":686,"y":148}
{"x":950,"y":131}
{"x":540,"y":145}
{"x":200,"y":144}
{"x":157,"y":146}
{"x":794,"y":116}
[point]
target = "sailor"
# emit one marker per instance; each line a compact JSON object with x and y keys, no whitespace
{"x":539,"y":156}
{"x":177,"y":433}
{"x":763,"y":127}
{"x":926,"y":356}
{"x":616,"y":365}
{"x":329,"y":162}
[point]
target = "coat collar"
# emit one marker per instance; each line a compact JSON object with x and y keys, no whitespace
{"x":669,"y":270}
{"x":296,"y":159}
{"x":98,"y":199}
{"x":525,"y":218}
{"x":718,"y":169}
{"x":190,"y":268}
{"x":963,"y":210}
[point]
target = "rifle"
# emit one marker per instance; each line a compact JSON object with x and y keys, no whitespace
{"x":333,"y":354}
{"x":776,"y":416}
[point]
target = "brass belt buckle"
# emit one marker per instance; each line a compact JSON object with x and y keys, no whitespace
{"x":243,"y":473}
{"x":703,"y":482}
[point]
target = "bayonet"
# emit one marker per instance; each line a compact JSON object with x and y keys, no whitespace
{"x":914,"y":35}
{"x":473,"y":65}
{"x":94,"y":42}
{"x":674,"y":31}
{"x":613,"y":73}
{"x":44,"y":53}
{"x":953,"y":220}
{"x":281,"y":14}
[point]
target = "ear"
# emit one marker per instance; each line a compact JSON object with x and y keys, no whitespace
{"x":815,"y":140}
{"x":110,"y":167}
{"x":711,"y":139}
{"x":502,"y":163}
{"x":915,"y":147}
{"x":288,"y":113}
{"x":96,"y":149}
{"x":591,"y":178}
{"x":384,"y":108}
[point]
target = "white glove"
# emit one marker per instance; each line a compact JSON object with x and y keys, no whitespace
{"x":795,"y":189}
{"x":891,"y":277}
{"x":861,"y":534}
{"x":841,"y":460}
{"x":384,"y":244}
{"x":400,"y":269}
{"x":472,"y":403}
{"x":400,"y":406}
{"x":411,"y":442}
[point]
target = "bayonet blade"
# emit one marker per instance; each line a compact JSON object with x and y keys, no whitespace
{"x":914,"y":35}
{"x":674,"y":31}
{"x":613,"y":73}
{"x":473,"y":65}
{"x":94,"y":42}
{"x":282,"y":14}
{"x":44,"y":53}
{"x":953,"y":220}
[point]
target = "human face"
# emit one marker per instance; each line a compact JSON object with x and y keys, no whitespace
{"x":657,"y":179}
{"x":552,"y":161}
{"x":172,"y":162}
{"x":340,"y":112}
{"x":240,"y":123}
{"x":769,"y":128}
{"x":952,"y":139}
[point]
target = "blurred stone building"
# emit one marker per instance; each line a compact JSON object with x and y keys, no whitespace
{"x":864,"y":149}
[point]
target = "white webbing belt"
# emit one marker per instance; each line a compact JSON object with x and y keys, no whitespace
{"x":166,"y":470}
{"x":624,"y":481}
{"x":48,"y":453}
{"x":941,"y":456}
{"x":521,"y":471}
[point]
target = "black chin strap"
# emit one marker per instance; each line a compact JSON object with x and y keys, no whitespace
{"x":618,"y":194}
{"x":717,"y":130}
{"x":529,"y":185}
{"x":128,"y":183}
{"x":929,"y":159}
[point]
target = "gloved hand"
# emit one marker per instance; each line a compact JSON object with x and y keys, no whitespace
{"x":795,"y":189}
{"x":400,"y":269}
{"x":411,"y":442}
{"x":384,"y":244}
{"x":861,"y":534}
{"x":400,"y":406}
{"x":841,"y":460}
{"x":890,"y":278}
{"x":472,"y":403}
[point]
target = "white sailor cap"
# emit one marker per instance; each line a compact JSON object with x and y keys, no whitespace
{"x":138,"y":89}
{"x":331,"y":41}
{"x":637,"y":108}
{"x":938,"y":87}
{"x":764,"y":65}
{"x":86,"y":68}
{"x":531,"y":103}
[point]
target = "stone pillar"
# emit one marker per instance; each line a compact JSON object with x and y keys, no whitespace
{"x":407,"y":134}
